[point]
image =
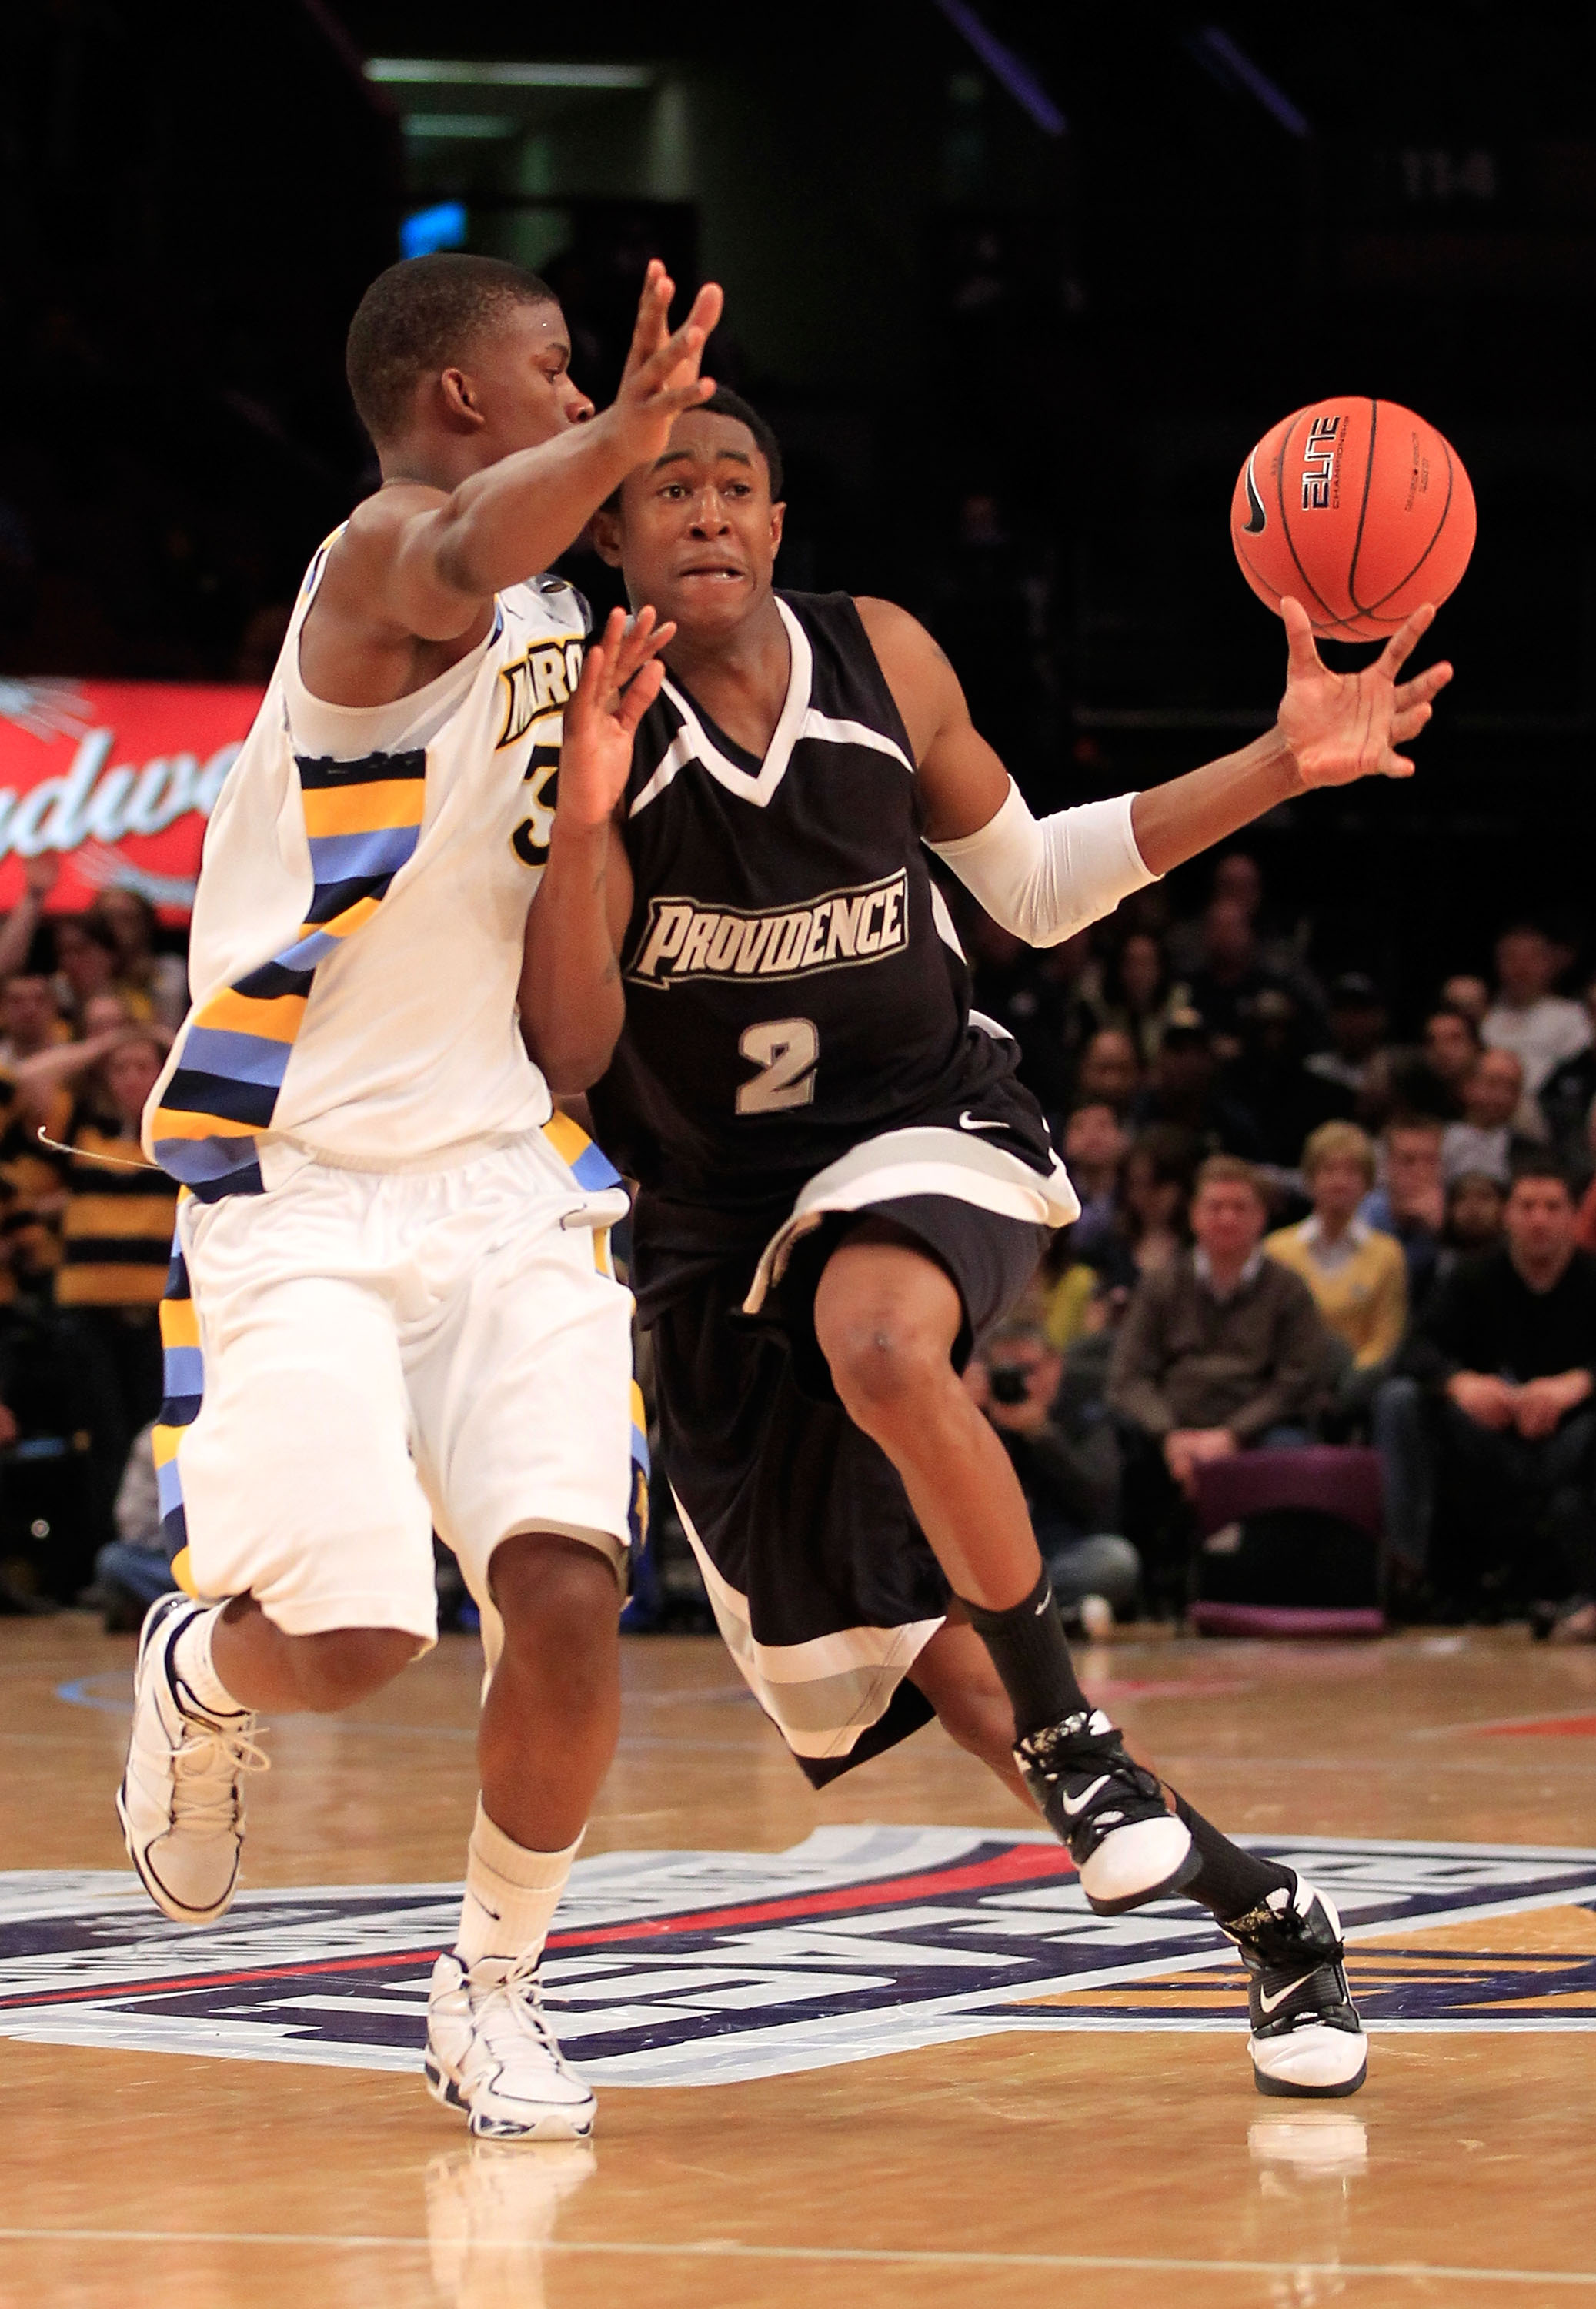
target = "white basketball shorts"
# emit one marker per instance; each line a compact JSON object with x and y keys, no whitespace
{"x":385,"y":1353}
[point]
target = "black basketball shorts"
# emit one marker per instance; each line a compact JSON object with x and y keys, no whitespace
{"x":822,"y":1582}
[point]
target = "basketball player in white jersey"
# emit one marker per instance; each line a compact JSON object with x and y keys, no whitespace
{"x":392,"y":1305}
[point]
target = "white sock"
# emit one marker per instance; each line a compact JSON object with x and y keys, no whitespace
{"x":511,"y":1895}
{"x":191,"y":1658}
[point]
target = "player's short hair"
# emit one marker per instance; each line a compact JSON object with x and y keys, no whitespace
{"x":419,"y":317}
{"x":1230,"y":1171}
{"x":723,"y":403}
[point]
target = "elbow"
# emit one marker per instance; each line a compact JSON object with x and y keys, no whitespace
{"x":573,"y":1066}
{"x":568,"y":1077}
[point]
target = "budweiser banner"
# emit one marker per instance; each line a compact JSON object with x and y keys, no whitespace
{"x":116,"y":779}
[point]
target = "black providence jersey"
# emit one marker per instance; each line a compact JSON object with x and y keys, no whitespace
{"x":793,"y":981}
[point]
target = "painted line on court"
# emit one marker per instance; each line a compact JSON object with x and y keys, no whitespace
{"x":730,"y":2249}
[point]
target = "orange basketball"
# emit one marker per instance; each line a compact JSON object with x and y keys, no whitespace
{"x":1359,"y":508}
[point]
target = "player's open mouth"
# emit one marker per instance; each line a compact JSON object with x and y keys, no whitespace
{"x":720,"y":569}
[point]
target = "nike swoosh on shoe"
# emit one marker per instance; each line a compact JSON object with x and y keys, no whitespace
{"x":1272,"y":2004}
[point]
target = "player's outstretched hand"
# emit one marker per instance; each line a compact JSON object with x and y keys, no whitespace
{"x":620,"y":680}
{"x":660,"y":378}
{"x":1342,"y":726}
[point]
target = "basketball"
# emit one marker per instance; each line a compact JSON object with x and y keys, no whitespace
{"x":1359,"y":509}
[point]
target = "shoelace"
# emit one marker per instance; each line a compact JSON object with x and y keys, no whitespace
{"x":516,"y":2000}
{"x":206,"y":1770}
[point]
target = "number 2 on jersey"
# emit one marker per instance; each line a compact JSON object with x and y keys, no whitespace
{"x":786,"y":1050}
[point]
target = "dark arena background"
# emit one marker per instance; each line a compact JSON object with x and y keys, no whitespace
{"x":1018,"y":288}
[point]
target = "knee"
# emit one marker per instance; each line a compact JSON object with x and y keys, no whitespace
{"x":560,"y":1605}
{"x":349,"y":1663}
{"x":887,"y":1368}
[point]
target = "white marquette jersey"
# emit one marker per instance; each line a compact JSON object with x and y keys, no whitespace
{"x":356,"y":939}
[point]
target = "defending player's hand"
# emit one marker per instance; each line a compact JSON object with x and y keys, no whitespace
{"x":620,"y":680}
{"x":660,"y":378}
{"x":1343,"y":726}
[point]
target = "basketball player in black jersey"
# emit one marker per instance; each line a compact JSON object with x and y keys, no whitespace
{"x":842,"y":1184}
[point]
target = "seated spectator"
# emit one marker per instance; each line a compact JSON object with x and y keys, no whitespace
{"x":1470,"y":995}
{"x":1155,"y":1189}
{"x":1221,"y":1348}
{"x":1068,"y":1468}
{"x":1236,"y":876}
{"x":131,"y":1571}
{"x":1230,"y":977}
{"x":1451,"y":1048}
{"x":1109,"y":1072}
{"x":1411,"y":1204}
{"x":154,"y":985}
{"x":1539,"y":1028}
{"x":1567,"y":1102}
{"x":1270,"y":1082}
{"x":1357,"y":1277}
{"x":1138,"y":994}
{"x":1358,"y":1022}
{"x":1094,"y":1150}
{"x":1095,"y":1145}
{"x":1043,"y":997}
{"x":116,"y":1249}
{"x":86,"y":962}
{"x":1488,"y":1138}
{"x":1475,"y":1202}
{"x":30,"y":1020}
{"x":1185,"y":1089}
{"x":1508,"y":1349}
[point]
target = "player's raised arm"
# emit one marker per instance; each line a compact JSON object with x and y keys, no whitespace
{"x":491,"y":474}
{"x":572,"y":1003}
{"x":1044,"y":880}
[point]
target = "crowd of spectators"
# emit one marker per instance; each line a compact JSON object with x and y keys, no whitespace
{"x":1299,"y":1226}
{"x":87,"y":1006}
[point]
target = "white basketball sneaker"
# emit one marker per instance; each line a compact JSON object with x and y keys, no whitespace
{"x":491,"y":2052}
{"x":181,"y":1801}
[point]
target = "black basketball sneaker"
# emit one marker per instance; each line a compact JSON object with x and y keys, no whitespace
{"x":1307,"y":2042}
{"x":1126,"y":1844}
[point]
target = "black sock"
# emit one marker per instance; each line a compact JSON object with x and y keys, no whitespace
{"x":1231,"y":1881}
{"x":1031,"y":1655}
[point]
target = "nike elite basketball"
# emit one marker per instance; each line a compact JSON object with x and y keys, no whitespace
{"x":1359,"y":508}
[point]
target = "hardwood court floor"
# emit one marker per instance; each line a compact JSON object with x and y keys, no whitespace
{"x":1125,"y":2169}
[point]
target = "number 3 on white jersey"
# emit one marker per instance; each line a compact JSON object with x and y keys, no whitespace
{"x":786,"y":1050}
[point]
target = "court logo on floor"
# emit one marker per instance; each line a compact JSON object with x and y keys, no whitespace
{"x":701,"y":1967}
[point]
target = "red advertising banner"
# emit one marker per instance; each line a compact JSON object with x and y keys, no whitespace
{"x":116,"y":779}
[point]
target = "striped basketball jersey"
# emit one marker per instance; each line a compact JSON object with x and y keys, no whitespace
{"x":794,"y":983}
{"x":116,"y":1239}
{"x":356,"y":939}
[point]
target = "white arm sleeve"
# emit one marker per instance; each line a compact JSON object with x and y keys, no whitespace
{"x":1045,"y":882}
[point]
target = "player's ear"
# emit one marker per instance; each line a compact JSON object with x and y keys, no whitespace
{"x":605,"y":530}
{"x":462,"y":403}
{"x":777,"y":517}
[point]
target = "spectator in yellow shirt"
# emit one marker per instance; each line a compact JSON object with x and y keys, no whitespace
{"x":1356,"y":1275}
